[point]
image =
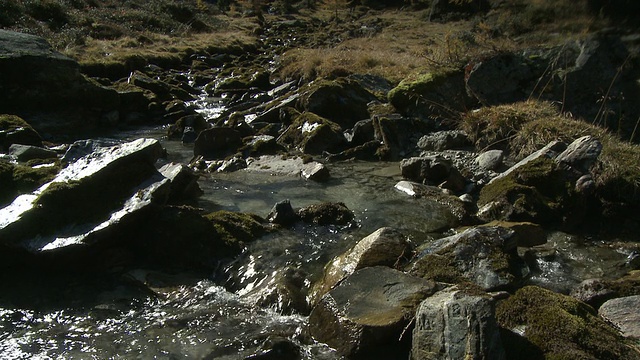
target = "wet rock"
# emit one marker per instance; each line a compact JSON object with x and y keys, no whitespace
{"x":28,"y":152}
{"x":14,"y":130}
{"x":161,"y":89}
{"x":364,"y":316}
{"x":289,"y":166}
{"x":16,"y":179}
{"x":527,"y":234}
{"x":326,"y":213}
{"x":282,"y":213}
{"x":217,"y":143}
{"x":623,"y":314}
{"x":234,"y":164}
{"x":443,"y":140}
{"x":313,"y":135}
{"x":441,"y":210}
{"x":383,"y":247}
{"x":283,"y":291}
{"x":342,"y":101}
{"x":84,"y":193}
{"x":457,"y":324}
{"x":34,"y":76}
{"x":557,"y":325}
{"x":485,"y":256}
{"x":490,"y":160}
{"x":184,"y":182}
{"x":281,"y":349}
{"x":362,"y":132}
{"x":82,"y":148}
{"x":315,"y":171}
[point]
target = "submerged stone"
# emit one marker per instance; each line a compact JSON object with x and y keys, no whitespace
{"x":366,"y":314}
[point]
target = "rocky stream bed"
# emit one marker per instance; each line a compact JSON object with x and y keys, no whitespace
{"x":206,"y":211}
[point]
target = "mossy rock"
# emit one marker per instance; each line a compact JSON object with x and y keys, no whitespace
{"x":234,"y":227}
{"x":313,"y":134}
{"x":15,"y":130}
{"x":327,"y":213}
{"x":562,"y":327}
{"x":22,"y":179}
{"x":342,"y":100}
{"x":440,"y":93}
{"x":538,"y":191}
{"x":485,"y":256}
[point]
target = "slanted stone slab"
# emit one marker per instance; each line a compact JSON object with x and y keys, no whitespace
{"x":624,"y":313}
{"x":85,"y":192}
{"x":367,"y":313}
{"x":383,"y":247}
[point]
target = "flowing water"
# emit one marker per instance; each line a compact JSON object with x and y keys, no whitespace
{"x":178,"y":316}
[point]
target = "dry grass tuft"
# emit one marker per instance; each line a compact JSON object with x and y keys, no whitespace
{"x":525,"y":127}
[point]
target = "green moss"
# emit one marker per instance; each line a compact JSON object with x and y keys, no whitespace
{"x":412,"y":88}
{"x":233,"y":227}
{"x":562,"y":327}
{"x":535,"y":191}
{"x":21,"y":179}
{"x":440,"y":268}
{"x":12,"y":122}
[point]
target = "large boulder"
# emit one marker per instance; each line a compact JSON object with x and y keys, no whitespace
{"x":14,"y":130}
{"x":85,"y":192}
{"x":539,"y":324}
{"x":364,"y":317}
{"x":217,"y":143}
{"x":34,"y":77}
{"x":383,"y":247}
{"x":342,"y":101}
{"x":313,"y":134}
{"x":456,"y":324}
{"x":431,"y":95}
{"x":485,"y":256}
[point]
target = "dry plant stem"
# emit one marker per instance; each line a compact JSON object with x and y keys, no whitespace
{"x":600,"y":115}
{"x":633,"y":134}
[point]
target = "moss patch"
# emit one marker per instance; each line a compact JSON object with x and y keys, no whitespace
{"x":233,"y":227}
{"x":21,"y":179}
{"x":410,"y":90}
{"x":537,"y":191}
{"x":562,"y":327}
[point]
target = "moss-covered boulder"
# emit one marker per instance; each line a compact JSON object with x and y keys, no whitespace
{"x":559,"y":327}
{"x":233,"y":226}
{"x":431,"y":95}
{"x":342,"y":101}
{"x":14,"y":130}
{"x":326,"y":213}
{"x":313,"y":134}
{"x":485,"y":256}
{"x":538,"y":191}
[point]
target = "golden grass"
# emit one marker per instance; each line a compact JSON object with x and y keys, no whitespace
{"x":522,"y":128}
